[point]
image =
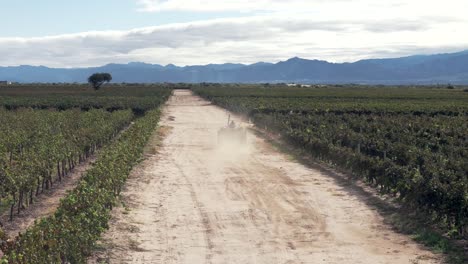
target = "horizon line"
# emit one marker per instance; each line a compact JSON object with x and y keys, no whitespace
{"x":243,"y":64}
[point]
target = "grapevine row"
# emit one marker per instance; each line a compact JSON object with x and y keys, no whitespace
{"x":69,"y":235}
{"x":39,"y":147}
{"x":407,"y":143}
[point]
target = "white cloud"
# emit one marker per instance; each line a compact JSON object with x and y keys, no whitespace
{"x":269,"y":37}
{"x":334,"y":9}
{"x":239,"y":5}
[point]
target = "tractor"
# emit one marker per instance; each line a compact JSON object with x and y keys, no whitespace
{"x":232,"y":134}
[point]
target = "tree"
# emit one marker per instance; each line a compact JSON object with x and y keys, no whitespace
{"x":98,"y":79}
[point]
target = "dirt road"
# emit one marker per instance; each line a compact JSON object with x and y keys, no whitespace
{"x":196,"y":203}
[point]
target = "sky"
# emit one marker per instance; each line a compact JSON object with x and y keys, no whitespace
{"x":86,"y":33}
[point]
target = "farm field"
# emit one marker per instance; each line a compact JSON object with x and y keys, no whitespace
{"x":72,"y":173}
{"x":62,"y":138}
{"x":137,"y":97}
{"x":194,"y":201}
{"x":409,"y":143}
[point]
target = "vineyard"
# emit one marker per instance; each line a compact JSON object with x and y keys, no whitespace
{"x":40,"y":147}
{"x":409,"y":143}
{"x":138,"y":98}
{"x":45,"y":131}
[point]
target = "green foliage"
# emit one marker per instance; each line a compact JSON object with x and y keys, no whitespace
{"x":139,"y":98}
{"x":38,"y":147}
{"x":69,"y":235}
{"x":361,"y":99}
{"x":434,"y":241}
{"x":44,"y":131}
{"x":408,"y":142}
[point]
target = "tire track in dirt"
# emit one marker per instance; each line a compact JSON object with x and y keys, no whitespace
{"x":203,"y":215}
{"x":194,"y":202}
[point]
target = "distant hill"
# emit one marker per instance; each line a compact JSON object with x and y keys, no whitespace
{"x":419,"y":69}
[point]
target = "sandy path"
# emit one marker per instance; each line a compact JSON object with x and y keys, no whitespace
{"x":196,"y":203}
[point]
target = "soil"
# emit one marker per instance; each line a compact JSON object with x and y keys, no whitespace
{"x":198,"y":202}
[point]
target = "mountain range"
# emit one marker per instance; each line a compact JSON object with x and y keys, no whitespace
{"x":418,"y":69}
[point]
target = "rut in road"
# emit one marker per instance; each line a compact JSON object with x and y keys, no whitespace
{"x":194,"y":202}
